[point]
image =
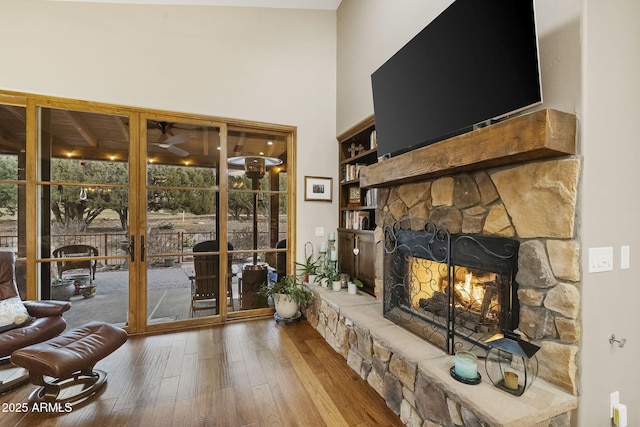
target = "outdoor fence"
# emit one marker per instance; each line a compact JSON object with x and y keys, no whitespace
{"x":116,"y":244}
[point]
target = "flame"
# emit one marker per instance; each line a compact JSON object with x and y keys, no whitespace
{"x":470,"y":292}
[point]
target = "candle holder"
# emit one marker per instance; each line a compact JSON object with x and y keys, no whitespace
{"x":331,"y":248}
{"x":511,"y":363}
{"x":465,"y":368}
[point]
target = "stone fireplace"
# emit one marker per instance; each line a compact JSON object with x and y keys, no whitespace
{"x":455,"y":291}
{"x":518,"y":181}
{"x":522,"y":184}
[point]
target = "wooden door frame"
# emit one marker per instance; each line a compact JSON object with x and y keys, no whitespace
{"x":137,"y":181}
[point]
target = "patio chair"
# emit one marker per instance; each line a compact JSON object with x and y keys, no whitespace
{"x":23,"y":323}
{"x":204,"y":285}
{"x":67,"y":253}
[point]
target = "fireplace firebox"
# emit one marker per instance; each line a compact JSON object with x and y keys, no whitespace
{"x":454,"y":290}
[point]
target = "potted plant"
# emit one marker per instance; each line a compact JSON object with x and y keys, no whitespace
{"x":336,"y":285}
{"x":328,"y":276}
{"x":309,"y":269}
{"x":288,"y":294}
{"x":353,"y":285}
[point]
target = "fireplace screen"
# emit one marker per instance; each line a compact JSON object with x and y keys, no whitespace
{"x":453,"y":290}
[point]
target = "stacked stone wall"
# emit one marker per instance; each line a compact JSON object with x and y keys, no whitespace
{"x":419,"y":399}
{"x":534,"y":203}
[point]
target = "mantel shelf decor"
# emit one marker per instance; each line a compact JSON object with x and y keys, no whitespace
{"x":511,"y":363}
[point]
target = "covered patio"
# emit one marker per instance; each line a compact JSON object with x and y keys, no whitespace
{"x":169,"y":297}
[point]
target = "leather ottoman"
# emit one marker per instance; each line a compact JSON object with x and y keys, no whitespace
{"x":69,"y":360}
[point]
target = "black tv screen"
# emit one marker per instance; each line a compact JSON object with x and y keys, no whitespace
{"x":477,"y":61}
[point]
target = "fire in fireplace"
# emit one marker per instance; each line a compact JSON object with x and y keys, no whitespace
{"x":454,"y":290}
{"x":476,"y":302}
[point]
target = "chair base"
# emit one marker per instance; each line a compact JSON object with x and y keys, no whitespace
{"x":90,"y":383}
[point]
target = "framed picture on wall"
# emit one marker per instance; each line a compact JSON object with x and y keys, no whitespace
{"x":318,"y":189}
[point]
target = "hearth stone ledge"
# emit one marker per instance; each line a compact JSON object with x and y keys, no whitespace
{"x":393,"y":360}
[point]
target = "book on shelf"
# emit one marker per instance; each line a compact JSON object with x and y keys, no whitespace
{"x":351,"y":172}
{"x":356,"y":220}
{"x":371,"y":197}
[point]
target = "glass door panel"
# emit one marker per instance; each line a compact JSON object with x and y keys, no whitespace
{"x":184,"y":273}
{"x":83,"y":208}
{"x":12,"y":188}
{"x":257,"y":210}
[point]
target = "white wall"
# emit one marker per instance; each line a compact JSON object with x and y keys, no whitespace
{"x":610,"y":206}
{"x":270,"y":65}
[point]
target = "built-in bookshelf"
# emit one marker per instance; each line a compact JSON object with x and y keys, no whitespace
{"x":357,"y":206}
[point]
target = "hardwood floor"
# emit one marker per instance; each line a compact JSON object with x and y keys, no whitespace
{"x":254,"y":373}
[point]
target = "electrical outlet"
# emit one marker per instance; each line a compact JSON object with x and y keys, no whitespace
{"x":620,"y":415}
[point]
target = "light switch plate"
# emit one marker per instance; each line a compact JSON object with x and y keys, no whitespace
{"x":600,"y":259}
{"x":319,"y":231}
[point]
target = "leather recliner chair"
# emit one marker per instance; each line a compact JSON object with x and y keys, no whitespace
{"x":47,"y":323}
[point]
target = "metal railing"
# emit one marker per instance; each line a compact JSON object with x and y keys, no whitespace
{"x":115,"y":244}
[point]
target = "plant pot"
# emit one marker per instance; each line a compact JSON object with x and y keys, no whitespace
{"x":286,"y":307}
{"x":337,"y":285}
{"x":352,"y":288}
{"x":79,"y":281}
{"x":63,"y":291}
{"x":312,"y":279}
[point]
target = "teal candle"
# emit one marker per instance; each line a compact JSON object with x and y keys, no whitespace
{"x":466,"y":365}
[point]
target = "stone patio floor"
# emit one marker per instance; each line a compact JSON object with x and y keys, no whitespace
{"x":168,"y":297}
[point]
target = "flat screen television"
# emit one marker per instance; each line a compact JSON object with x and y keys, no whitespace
{"x":475,"y":62}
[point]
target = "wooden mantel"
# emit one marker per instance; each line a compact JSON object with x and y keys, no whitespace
{"x":538,"y":135}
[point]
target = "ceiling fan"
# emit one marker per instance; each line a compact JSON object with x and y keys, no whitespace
{"x":169,"y":140}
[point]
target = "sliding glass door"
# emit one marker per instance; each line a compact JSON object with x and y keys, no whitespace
{"x":216,"y":219}
{"x":183,"y":236}
{"x":148,"y":220}
{"x":84,"y":213}
{"x":257,"y":203}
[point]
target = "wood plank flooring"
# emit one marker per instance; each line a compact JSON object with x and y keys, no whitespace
{"x":254,"y":373}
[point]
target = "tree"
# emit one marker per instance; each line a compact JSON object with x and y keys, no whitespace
{"x":167,"y":191}
{"x":75,"y":208}
{"x":198,"y":201}
{"x":8,"y":192}
{"x":239,"y":202}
